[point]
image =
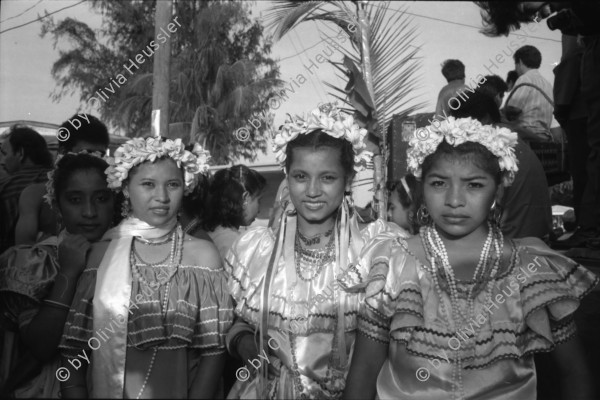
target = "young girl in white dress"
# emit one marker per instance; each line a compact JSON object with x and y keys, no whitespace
{"x":458,"y":311}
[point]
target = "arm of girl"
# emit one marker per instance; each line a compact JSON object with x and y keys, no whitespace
{"x":42,"y":335}
{"x":573,"y":369}
{"x":75,"y":386}
{"x":367,"y":360}
{"x":208,"y":377}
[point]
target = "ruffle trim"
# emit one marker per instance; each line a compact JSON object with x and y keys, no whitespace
{"x":315,"y":314}
{"x":547,"y":287}
{"x":199,"y":313}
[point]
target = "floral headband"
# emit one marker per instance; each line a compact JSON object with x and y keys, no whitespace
{"x":499,"y":141}
{"x":330,"y":120}
{"x":50,"y":196}
{"x":139,"y":150}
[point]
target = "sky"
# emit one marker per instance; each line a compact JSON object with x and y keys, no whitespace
{"x":444,"y":30}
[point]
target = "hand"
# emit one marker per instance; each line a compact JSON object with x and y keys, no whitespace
{"x":248,"y":351}
{"x":72,"y":254}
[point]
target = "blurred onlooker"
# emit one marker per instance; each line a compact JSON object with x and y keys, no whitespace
{"x":530,"y":102}
{"x":36,"y":219}
{"x":402,"y":203}
{"x":25,"y":156}
{"x":233,"y":201}
{"x":526,"y":203}
{"x":454,"y":72}
{"x":495,"y":87}
{"x":571,"y":113}
{"x":511,"y":78}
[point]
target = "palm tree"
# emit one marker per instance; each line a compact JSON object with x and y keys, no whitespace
{"x":381,"y":66}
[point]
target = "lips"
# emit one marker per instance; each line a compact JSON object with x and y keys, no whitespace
{"x":314,"y":205}
{"x":455,"y":218}
{"x":160,"y":210}
{"x":89,"y":227}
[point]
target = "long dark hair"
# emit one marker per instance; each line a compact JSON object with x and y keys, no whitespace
{"x":226,"y":195}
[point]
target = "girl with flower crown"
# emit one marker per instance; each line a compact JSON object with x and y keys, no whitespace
{"x":295,"y":325}
{"x":151,"y":309}
{"x":458,"y":311}
{"x":37,"y":283}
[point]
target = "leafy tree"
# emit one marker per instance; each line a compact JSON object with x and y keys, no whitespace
{"x":221,"y":73}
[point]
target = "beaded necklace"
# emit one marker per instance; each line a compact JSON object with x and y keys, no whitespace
{"x":316,"y":239}
{"x":436,"y":253}
{"x":312,"y":260}
{"x":174,"y":254}
{"x":191,"y":225}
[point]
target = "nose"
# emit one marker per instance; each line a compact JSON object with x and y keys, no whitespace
{"x":455,"y":196}
{"x":314,"y":188}
{"x":89,"y":210}
{"x":162,"y":194}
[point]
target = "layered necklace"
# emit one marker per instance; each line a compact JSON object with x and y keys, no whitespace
{"x":163,"y":277}
{"x":484,"y":276}
{"x":312,"y":261}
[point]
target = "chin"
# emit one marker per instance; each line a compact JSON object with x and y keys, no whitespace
{"x":316,"y":217}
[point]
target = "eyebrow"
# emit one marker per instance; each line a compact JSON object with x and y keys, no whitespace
{"x":470,"y":178}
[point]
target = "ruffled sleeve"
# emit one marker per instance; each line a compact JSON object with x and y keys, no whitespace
{"x":244,"y":276}
{"x":553,"y":286}
{"x":79,"y":325}
{"x":27,"y":274}
{"x":391,"y":288}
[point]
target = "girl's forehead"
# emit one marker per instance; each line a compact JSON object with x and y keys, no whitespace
{"x":161,"y":168}
{"x":85,"y":180}
{"x":456,"y":165}
{"x":316,"y":159}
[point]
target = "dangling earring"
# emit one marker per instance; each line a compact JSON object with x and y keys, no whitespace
{"x":349,"y":199}
{"x":125,"y":206}
{"x":423,"y":217}
{"x":495,"y":214}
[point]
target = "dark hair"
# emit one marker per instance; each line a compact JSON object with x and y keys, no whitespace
{"x":478,"y":106}
{"x":88,"y":129}
{"x":318,"y":138}
{"x":493,"y":85}
{"x":529,"y":56}
{"x":407,"y":201}
{"x":72,"y":163}
{"x":194,"y":203}
{"x":33,"y":144}
{"x":500,"y":17}
{"x":511,"y":77}
{"x":226,"y":195}
{"x":468,"y":151}
{"x":453,"y":69}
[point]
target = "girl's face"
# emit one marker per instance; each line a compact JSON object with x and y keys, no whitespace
{"x":459,"y":195}
{"x":252,"y":209}
{"x":316,"y":181}
{"x":86,"y":204}
{"x":156,"y":191}
{"x":396,"y":213}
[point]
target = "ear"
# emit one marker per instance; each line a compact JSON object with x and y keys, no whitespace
{"x":246,"y":197}
{"x":21,"y":155}
{"x":125,"y":190}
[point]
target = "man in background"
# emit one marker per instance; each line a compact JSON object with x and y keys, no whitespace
{"x":454,"y":72}
{"x":25,"y":156}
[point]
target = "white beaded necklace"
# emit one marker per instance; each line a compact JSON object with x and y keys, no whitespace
{"x":175,"y":254}
{"x":436,"y":252}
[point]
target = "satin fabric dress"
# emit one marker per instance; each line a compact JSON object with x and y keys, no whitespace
{"x":123,"y":336}
{"x":530,"y":310}
{"x":27,"y":274}
{"x":310,"y":316}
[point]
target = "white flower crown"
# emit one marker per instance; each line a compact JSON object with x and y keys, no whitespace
{"x":499,"y":141}
{"x":138,"y":150}
{"x":50,"y":196}
{"x":330,"y":120}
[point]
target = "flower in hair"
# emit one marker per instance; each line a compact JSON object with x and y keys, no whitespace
{"x":50,"y":196}
{"x":499,"y":141}
{"x":330,"y":120}
{"x":139,"y":150}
